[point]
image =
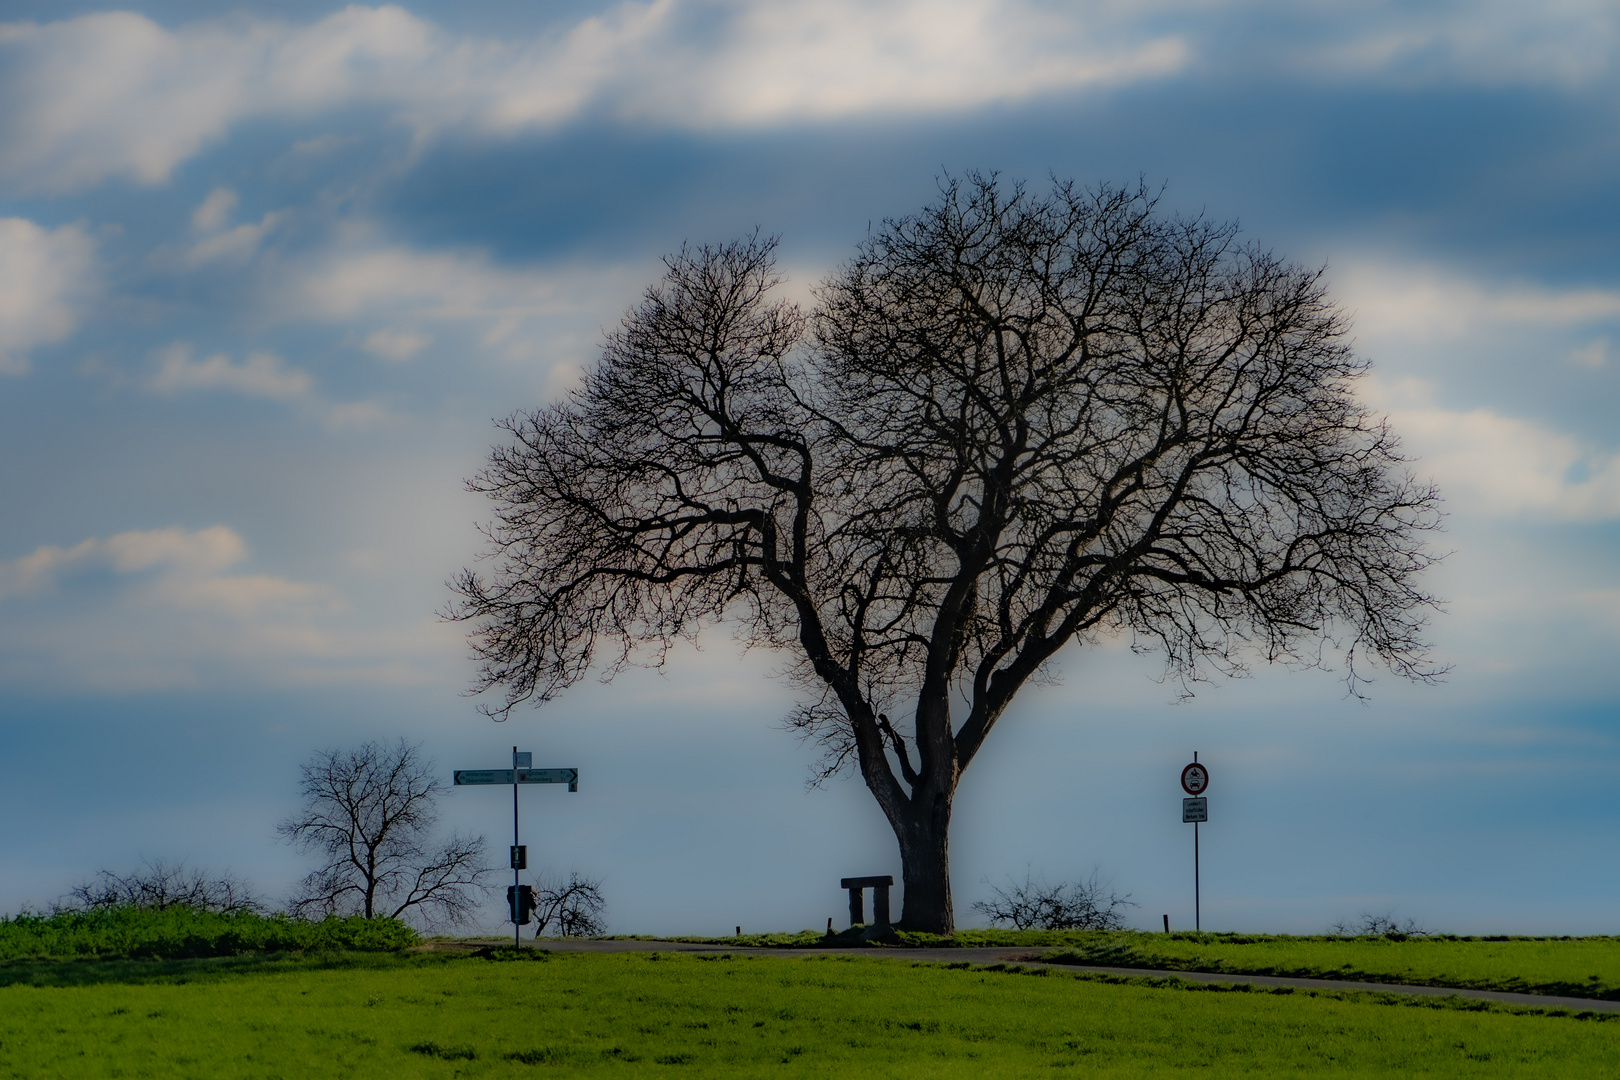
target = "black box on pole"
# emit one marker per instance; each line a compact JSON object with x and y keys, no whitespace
{"x":520,"y":899}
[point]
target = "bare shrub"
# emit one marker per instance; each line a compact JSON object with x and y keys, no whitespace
{"x":571,"y":908}
{"x":1088,"y":904}
{"x":1386,"y":925}
{"x":159,"y":884}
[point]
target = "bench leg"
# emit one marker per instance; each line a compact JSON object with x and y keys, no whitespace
{"x":857,"y":910}
{"x":880,"y":906}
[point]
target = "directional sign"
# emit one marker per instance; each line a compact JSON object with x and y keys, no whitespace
{"x":519,"y":776}
{"x":1194,"y":779}
{"x":1194,"y":810}
{"x":483,"y":776}
{"x":549,"y":776}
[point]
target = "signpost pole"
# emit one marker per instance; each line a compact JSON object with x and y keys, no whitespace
{"x":517,"y":875}
{"x":1195,"y":781}
{"x":521,"y":772}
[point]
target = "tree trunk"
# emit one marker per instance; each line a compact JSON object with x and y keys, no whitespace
{"x":924,"y":835}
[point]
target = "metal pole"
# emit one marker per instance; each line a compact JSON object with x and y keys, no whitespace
{"x":1197,"y":920}
{"x":517,"y":879}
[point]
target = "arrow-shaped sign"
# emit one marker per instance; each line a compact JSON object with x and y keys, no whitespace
{"x":519,"y":776}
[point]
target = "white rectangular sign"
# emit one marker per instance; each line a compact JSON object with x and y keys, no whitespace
{"x":517,"y":776}
{"x":1194,"y":810}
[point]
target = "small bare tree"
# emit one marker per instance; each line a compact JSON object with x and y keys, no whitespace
{"x":1088,"y":904}
{"x":159,"y":884}
{"x":369,"y":813}
{"x":571,"y":908}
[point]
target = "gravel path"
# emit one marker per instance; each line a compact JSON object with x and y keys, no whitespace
{"x":1032,"y":958}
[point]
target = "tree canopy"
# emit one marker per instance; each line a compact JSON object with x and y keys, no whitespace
{"x":1009,"y":424}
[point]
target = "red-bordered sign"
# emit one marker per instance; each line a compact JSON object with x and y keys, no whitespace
{"x":1195,"y":779}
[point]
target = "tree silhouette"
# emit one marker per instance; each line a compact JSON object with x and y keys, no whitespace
{"x":1010,"y":424}
{"x":369,"y":813}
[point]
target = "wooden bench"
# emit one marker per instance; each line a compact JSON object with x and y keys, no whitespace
{"x":879,"y":884}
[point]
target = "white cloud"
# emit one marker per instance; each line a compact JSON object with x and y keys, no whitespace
{"x":1499,"y":464}
{"x":1594,"y":355}
{"x":517,"y":313}
{"x":116,"y":94}
{"x":212,"y":213}
{"x":1527,"y":610}
{"x":261,"y":375}
{"x":180,"y":568}
{"x":238,"y":244}
{"x":1433,"y":303}
{"x":45,"y":277}
{"x":144,"y":610}
{"x":1492,"y":464}
{"x":233,"y":245}
{"x":1486,"y":460}
{"x":354,"y":415}
{"x":396,"y":344}
{"x":439,"y":285}
{"x":1563,"y":43}
{"x":723,"y":64}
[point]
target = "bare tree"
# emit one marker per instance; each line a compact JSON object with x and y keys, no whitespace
{"x":1368,"y":924}
{"x":1088,"y":904}
{"x":1011,"y":424}
{"x":369,"y":814}
{"x":160,"y":884}
{"x":571,"y":908}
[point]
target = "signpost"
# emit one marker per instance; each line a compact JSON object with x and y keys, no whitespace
{"x":1195,"y":781}
{"x":521,"y":772}
{"x":519,"y":776}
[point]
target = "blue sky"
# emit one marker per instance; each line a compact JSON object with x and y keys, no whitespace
{"x":268,"y":277}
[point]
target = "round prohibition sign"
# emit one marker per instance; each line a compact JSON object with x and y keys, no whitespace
{"x":1195,"y":779}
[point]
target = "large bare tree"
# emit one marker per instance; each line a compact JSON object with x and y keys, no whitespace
{"x":369,"y":814}
{"x":1011,"y":424}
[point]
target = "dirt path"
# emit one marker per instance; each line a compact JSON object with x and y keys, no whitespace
{"x":1032,"y":958}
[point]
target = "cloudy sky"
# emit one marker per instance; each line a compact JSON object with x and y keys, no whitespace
{"x":267,"y":278}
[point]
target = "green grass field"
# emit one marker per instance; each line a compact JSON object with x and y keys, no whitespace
{"x":571,"y":1014}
